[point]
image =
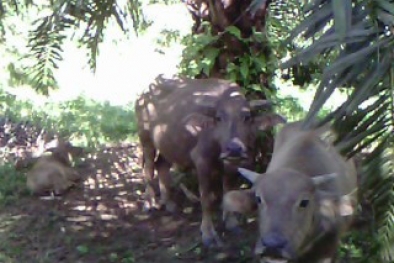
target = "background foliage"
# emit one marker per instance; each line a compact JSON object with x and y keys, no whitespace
{"x":328,"y":46}
{"x":84,"y":121}
{"x":357,"y":37}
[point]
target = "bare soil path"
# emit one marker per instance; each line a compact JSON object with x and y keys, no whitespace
{"x":101,"y":221}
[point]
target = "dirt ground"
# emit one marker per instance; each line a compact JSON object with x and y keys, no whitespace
{"x":101,"y":220}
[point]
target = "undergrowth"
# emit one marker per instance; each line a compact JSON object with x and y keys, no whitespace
{"x":85,"y":121}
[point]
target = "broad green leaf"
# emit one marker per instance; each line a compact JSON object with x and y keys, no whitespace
{"x":211,"y":53}
{"x":235,"y":31}
{"x":244,"y":69}
{"x":82,"y":249}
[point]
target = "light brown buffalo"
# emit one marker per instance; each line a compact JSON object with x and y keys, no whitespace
{"x":52,"y":172}
{"x":305,"y":200}
{"x":203,"y":124}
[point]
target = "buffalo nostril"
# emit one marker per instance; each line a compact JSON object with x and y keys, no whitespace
{"x":274,"y":242}
{"x":234,"y":148}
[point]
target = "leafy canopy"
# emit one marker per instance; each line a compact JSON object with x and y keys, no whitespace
{"x":58,"y":19}
{"x":358,"y":36}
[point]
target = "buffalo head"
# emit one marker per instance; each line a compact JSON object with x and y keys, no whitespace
{"x":294,"y":210}
{"x":234,"y":122}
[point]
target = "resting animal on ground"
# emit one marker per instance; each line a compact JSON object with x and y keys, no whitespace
{"x":305,"y":200}
{"x":52,"y":172}
{"x":202,"y":124}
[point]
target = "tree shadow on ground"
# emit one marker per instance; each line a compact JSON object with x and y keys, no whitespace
{"x":101,"y":220}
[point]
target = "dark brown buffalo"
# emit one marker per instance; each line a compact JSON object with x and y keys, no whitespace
{"x":305,"y":200}
{"x":203,"y":124}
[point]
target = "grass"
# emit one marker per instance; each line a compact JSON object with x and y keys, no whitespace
{"x":12,"y":184}
{"x":85,"y":121}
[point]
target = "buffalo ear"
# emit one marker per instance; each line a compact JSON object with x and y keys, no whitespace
{"x":195,"y":122}
{"x":239,"y":201}
{"x":327,"y":186}
{"x":248,"y":174}
{"x":268,"y":120}
{"x":335,"y":207}
{"x":320,"y":180}
{"x":259,"y":104}
{"x":347,"y":204}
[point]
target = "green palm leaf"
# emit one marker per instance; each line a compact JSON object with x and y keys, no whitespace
{"x":93,"y":15}
{"x":360,"y":40}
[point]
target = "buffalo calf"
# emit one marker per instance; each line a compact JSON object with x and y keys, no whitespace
{"x":305,"y":200}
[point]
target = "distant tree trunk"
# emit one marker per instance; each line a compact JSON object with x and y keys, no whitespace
{"x":221,"y":14}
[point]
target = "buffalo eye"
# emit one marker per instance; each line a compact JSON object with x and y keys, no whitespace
{"x":304,"y":203}
{"x":258,"y":199}
{"x":246,"y":116}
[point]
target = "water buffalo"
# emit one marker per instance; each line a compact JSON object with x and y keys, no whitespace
{"x":52,"y":172}
{"x":206,"y":125}
{"x":305,"y":200}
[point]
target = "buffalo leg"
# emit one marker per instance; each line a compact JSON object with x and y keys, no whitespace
{"x":230,"y":218}
{"x":149,"y":154}
{"x":163,"y":171}
{"x":204,"y":172}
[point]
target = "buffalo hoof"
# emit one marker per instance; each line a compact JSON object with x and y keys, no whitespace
{"x":236,"y":230}
{"x":231,"y":221}
{"x":171,"y":207}
{"x":150,"y":206}
{"x":213,"y":241}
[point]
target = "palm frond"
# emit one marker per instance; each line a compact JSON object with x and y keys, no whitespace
{"x":359,"y":36}
{"x":93,"y":16}
{"x":379,"y":168}
{"x":8,"y":8}
{"x":2,"y":10}
{"x":45,"y":43}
